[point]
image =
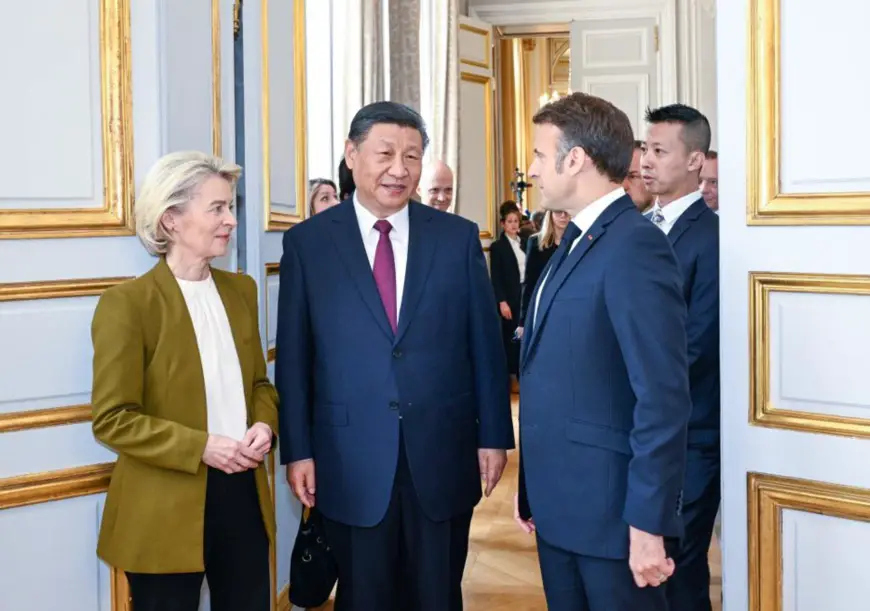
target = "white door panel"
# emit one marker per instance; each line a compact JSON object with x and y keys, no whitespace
{"x":794,"y":205}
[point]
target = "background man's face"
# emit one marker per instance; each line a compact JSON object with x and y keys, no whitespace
{"x":633,"y":184}
{"x":710,"y":183}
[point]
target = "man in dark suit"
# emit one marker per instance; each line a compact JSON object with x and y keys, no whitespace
{"x":391,"y":374}
{"x":604,"y":387}
{"x":677,"y":142}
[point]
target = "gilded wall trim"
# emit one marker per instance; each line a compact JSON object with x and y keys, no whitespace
{"x":762,"y":411}
{"x":284,"y":600}
{"x":768,"y":497}
{"x":487,"y":232}
{"x":115,"y":216}
{"x":216,"y":84}
{"x":272,"y":269}
{"x":43,"y":418}
{"x":36,"y":488}
{"x":766,"y":203}
{"x":49,"y":486}
{"x":280,"y":221}
{"x":487,"y":45}
{"x":53,"y":289}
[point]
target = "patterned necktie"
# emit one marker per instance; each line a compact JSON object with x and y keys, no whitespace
{"x":657,"y":217}
{"x":384,"y":271}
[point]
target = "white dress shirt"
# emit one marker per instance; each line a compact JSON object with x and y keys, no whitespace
{"x":399,"y":238}
{"x":516,"y":246}
{"x":673,"y":211}
{"x":222,"y":373}
{"x":584,"y":220}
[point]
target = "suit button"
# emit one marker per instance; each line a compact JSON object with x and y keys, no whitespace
{"x":394,"y":405}
{"x":397,"y":354}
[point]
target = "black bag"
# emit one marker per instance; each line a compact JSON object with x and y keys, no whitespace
{"x":313,"y":570}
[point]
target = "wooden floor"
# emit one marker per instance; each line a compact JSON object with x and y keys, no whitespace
{"x":502,"y":571}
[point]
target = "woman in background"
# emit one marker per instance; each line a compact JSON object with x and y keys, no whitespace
{"x":346,"y":185}
{"x":180,"y":393}
{"x":322,"y":194}
{"x":540,"y":248}
{"x":507,"y":271}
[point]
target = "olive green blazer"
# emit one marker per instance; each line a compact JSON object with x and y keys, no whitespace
{"x":149,"y":406}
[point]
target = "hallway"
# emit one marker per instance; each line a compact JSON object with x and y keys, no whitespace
{"x":502,"y":571}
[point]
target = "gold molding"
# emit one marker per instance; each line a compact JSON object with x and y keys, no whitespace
{"x":43,"y":418}
{"x":237,"y":17}
{"x":487,"y":37}
{"x":486,"y":81}
{"x":283,"y":603}
{"x":54,"y":289}
{"x":216,"y":117}
{"x":272,"y":269}
{"x":115,"y":216}
{"x":57,"y":289}
{"x":762,"y":411}
{"x":768,"y":496}
{"x":280,"y":221}
{"x":36,"y":488}
{"x":766,"y":203}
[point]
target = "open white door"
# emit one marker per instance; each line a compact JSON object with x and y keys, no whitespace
{"x":475,"y":196}
{"x":795,"y":311}
{"x":618,"y":60}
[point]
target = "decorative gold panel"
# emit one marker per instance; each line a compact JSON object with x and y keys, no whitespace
{"x":65,"y":484}
{"x":272,"y":269}
{"x":487,"y":45}
{"x":216,"y":134}
{"x":56,"y":289}
{"x":768,"y":496}
{"x":280,"y":221}
{"x":766,"y":204}
{"x":762,"y":411}
{"x":115,"y":217}
{"x":489,"y":231}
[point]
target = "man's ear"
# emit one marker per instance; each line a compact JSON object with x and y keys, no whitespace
{"x":696,"y":161}
{"x":577,"y":158}
{"x":350,"y":152}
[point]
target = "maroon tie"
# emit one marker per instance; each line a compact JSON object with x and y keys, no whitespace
{"x":385,"y":272}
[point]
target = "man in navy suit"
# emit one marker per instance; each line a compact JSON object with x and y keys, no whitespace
{"x":674,"y":154}
{"x":392,"y":377}
{"x":604,"y":400}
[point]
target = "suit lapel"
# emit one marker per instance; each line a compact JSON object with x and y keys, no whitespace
{"x":351,"y":250}
{"x":554,"y":283}
{"x":187,"y":357}
{"x":685,"y":221}
{"x":421,"y":252}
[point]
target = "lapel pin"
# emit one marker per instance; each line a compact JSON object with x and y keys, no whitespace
{"x":589,"y":237}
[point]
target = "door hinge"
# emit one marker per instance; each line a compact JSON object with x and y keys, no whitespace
{"x":656,"y":37}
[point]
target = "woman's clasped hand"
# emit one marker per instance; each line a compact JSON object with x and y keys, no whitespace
{"x":231,"y":456}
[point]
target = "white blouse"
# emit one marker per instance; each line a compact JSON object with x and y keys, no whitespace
{"x":224,"y":389}
{"x":516,"y":246}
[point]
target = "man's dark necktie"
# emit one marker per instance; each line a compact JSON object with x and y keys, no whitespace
{"x":384,"y":271}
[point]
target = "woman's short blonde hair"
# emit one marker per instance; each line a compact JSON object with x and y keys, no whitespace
{"x":170,"y":184}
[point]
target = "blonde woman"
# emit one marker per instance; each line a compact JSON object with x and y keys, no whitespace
{"x":322,"y":194}
{"x":540,"y":248}
{"x":180,"y":393}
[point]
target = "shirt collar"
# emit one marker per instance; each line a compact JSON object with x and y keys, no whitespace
{"x":586,"y":217}
{"x":675,"y":209}
{"x":399,"y":220}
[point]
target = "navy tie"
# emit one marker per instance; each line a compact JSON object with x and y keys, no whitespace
{"x":572,"y":232}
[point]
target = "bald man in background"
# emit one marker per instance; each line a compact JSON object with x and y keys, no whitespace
{"x":436,"y":186}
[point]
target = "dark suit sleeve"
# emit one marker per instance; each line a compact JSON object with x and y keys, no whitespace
{"x":293,"y":358}
{"x":643,"y":293}
{"x":118,"y":389}
{"x":492,"y":383}
{"x":497,"y":272}
{"x":264,"y":397}
{"x":533,"y":272}
{"x":702,"y":329}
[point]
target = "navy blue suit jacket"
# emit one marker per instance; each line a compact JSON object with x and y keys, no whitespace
{"x":604,"y":390}
{"x":695,"y":240}
{"x":346,"y":382}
